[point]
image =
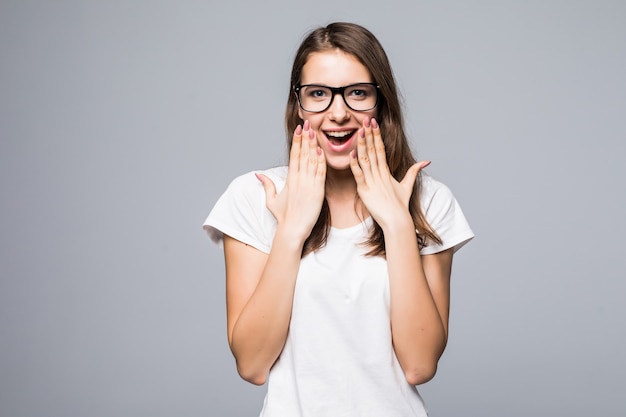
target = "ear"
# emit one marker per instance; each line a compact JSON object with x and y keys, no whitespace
{"x":297,"y":104}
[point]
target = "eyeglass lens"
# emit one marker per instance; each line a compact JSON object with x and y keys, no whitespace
{"x":359,"y":97}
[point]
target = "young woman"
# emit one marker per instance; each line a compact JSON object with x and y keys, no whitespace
{"x":338,"y":265}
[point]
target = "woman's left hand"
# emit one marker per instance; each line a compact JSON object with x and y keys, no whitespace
{"x":384,"y":197}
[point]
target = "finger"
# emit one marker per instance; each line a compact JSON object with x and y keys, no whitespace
{"x":305,"y":150}
{"x":320,"y":173}
{"x":313,"y":154}
{"x":369,"y":144}
{"x":361,"y":154}
{"x":357,"y":172}
{"x":268,"y":186}
{"x":411,"y":175}
{"x":379,"y":145}
{"x":424,"y":164}
{"x":296,"y":146}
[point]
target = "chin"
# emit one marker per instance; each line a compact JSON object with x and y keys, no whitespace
{"x":338,"y":166}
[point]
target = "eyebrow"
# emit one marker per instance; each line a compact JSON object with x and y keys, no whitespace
{"x":330,"y":86}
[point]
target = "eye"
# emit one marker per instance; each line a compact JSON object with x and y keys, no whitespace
{"x":316,"y":92}
{"x":359,"y":92}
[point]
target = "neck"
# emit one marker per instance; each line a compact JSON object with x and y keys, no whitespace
{"x":340,"y":183}
{"x":346,"y":209}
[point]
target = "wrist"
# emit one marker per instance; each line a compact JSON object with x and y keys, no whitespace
{"x":288,"y":238}
{"x":398,"y":223}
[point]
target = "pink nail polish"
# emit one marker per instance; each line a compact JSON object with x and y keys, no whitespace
{"x":306,"y":125}
{"x":298,"y":130}
{"x":366,"y":122}
{"x":374,"y":124}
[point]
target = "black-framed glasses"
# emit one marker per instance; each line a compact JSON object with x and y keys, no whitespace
{"x":316,"y":98}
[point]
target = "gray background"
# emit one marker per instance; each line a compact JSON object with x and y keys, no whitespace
{"x":122,"y":122}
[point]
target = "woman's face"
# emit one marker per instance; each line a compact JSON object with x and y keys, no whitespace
{"x":336,"y":127}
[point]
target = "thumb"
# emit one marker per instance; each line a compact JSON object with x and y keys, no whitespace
{"x":268,"y":186}
{"x":411,"y":174}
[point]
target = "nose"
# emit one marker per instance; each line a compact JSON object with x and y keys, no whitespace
{"x":338,"y":110}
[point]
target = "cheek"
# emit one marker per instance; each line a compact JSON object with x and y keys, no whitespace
{"x":315,"y":119}
{"x":367,"y":115}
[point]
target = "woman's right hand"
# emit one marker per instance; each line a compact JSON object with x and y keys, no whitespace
{"x":298,"y":204}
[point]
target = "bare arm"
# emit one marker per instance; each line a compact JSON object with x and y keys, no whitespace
{"x":259,"y":297}
{"x":259,"y":286}
{"x":420,"y":299}
{"x":419,"y":286}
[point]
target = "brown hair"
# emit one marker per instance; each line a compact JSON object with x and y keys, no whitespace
{"x":362,"y":44}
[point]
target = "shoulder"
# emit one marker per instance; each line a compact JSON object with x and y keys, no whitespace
{"x":247,"y":189}
{"x":433,"y":191}
{"x":241,"y":211}
{"x":444,"y":214}
{"x":245,"y":193}
{"x":249,"y":183}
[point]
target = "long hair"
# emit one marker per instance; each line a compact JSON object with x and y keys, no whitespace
{"x":362,"y":44}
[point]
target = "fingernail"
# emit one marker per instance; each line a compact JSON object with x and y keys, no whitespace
{"x":366,"y":122}
{"x":298,"y":130}
{"x":362,"y":132}
{"x":258,"y":177}
{"x":319,"y":151}
{"x":374,"y":124}
{"x":306,"y":125}
{"x":311,"y":134}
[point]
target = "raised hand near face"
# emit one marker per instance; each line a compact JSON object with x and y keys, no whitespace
{"x":385,"y":198}
{"x":298,"y":204}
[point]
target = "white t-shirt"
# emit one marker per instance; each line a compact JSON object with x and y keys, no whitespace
{"x":338,"y":359}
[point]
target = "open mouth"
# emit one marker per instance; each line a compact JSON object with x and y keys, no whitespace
{"x":339,"y":138}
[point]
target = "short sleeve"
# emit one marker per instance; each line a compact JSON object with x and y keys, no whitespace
{"x":241,"y":213}
{"x":443,"y":213}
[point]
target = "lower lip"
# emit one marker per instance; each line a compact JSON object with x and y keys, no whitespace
{"x":340,"y":148}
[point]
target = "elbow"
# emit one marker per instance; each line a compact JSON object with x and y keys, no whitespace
{"x":420,"y":375}
{"x":423,"y":367}
{"x":252,"y":376}
{"x":248,"y":370}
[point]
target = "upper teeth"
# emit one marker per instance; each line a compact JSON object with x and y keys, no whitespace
{"x":340,"y":134}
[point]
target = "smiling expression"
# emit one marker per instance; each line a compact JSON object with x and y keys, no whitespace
{"x":336,"y":127}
